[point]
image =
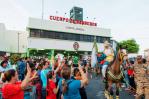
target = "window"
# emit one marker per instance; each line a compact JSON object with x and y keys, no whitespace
{"x":66,"y":36}
{"x":88,"y":38}
{"x":57,"y":35}
{"x":98,"y":39}
{"x":50,"y":34}
{"x":81,"y":38}
{"x":34,"y":33}
{"x":77,"y":37}
{"x":92,"y":38}
{"x":70,"y":36}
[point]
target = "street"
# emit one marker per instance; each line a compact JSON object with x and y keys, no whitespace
{"x":95,"y":90}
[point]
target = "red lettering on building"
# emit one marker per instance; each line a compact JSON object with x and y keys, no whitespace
{"x":51,"y":17}
{"x":57,"y":18}
{"x":61,"y":18}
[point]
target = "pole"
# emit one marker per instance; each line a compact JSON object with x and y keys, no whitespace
{"x":42,"y":9}
{"x":18,"y":42}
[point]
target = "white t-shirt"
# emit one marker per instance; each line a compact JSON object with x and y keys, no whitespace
{"x":108,"y":51}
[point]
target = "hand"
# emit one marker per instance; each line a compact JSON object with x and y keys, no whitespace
{"x":35,"y":75}
{"x":59,"y":61}
{"x":79,"y":63}
{"x":28,"y":69}
{"x":79,"y":67}
{"x":63,"y":63}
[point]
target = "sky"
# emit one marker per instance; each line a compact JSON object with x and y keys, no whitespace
{"x":127,"y":19}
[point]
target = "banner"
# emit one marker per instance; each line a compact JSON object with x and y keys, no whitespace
{"x":94,"y":54}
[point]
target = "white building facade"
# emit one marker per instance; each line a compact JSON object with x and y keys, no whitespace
{"x":52,"y":34}
{"x":58,"y":35}
{"x":12,"y":41}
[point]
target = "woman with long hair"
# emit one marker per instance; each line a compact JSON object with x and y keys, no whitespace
{"x":51,"y":86}
{"x":13,"y":89}
{"x":77,"y":76}
{"x":70,"y":87}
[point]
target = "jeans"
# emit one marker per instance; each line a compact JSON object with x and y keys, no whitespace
{"x":104,"y":68}
{"x":43,"y":93}
{"x":126,"y":78}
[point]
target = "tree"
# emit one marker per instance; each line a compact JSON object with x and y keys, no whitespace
{"x":130,"y":45}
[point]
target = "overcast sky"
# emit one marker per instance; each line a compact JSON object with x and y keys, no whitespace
{"x":126,"y":18}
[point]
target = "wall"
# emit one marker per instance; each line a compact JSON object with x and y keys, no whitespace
{"x":9,"y":40}
{"x":40,"y":43}
{"x":67,"y":27}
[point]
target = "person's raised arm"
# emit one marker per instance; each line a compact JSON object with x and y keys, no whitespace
{"x":34,"y":76}
{"x":60,"y":64}
{"x":84,"y":80}
{"x":27,"y":78}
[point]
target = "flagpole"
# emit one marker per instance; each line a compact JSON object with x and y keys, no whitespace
{"x":94,"y":41}
{"x":94,"y":38}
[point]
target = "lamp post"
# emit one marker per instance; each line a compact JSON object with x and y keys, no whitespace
{"x":18,"y":42}
{"x":42,"y":9}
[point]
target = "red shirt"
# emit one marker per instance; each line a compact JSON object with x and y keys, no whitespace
{"x":130,"y":72}
{"x":102,"y":62}
{"x":51,"y":85}
{"x":12,"y":91}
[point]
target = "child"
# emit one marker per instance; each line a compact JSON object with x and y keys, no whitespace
{"x":51,"y":86}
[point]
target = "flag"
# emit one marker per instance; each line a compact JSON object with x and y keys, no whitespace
{"x":51,"y":57}
{"x":94,"y":54}
{"x":51,"y":54}
{"x":75,"y":60}
{"x":59,"y":57}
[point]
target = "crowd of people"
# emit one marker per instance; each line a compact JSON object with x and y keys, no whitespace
{"x":53,"y":79}
{"x":137,"y":76}
{"x":67,"y":77}
{"x":135,"y":71}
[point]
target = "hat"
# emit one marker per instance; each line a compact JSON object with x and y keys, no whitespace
{"x":106,"y":43}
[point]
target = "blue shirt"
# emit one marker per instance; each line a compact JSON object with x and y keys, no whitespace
{"x":73,"y":89}
{"x":43,"y":76}
{"x":2,"y":69}
{"x":21,"y":67}
{"x":8,"y":67}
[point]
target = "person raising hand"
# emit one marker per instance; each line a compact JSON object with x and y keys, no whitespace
{"x":13,"y":89}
